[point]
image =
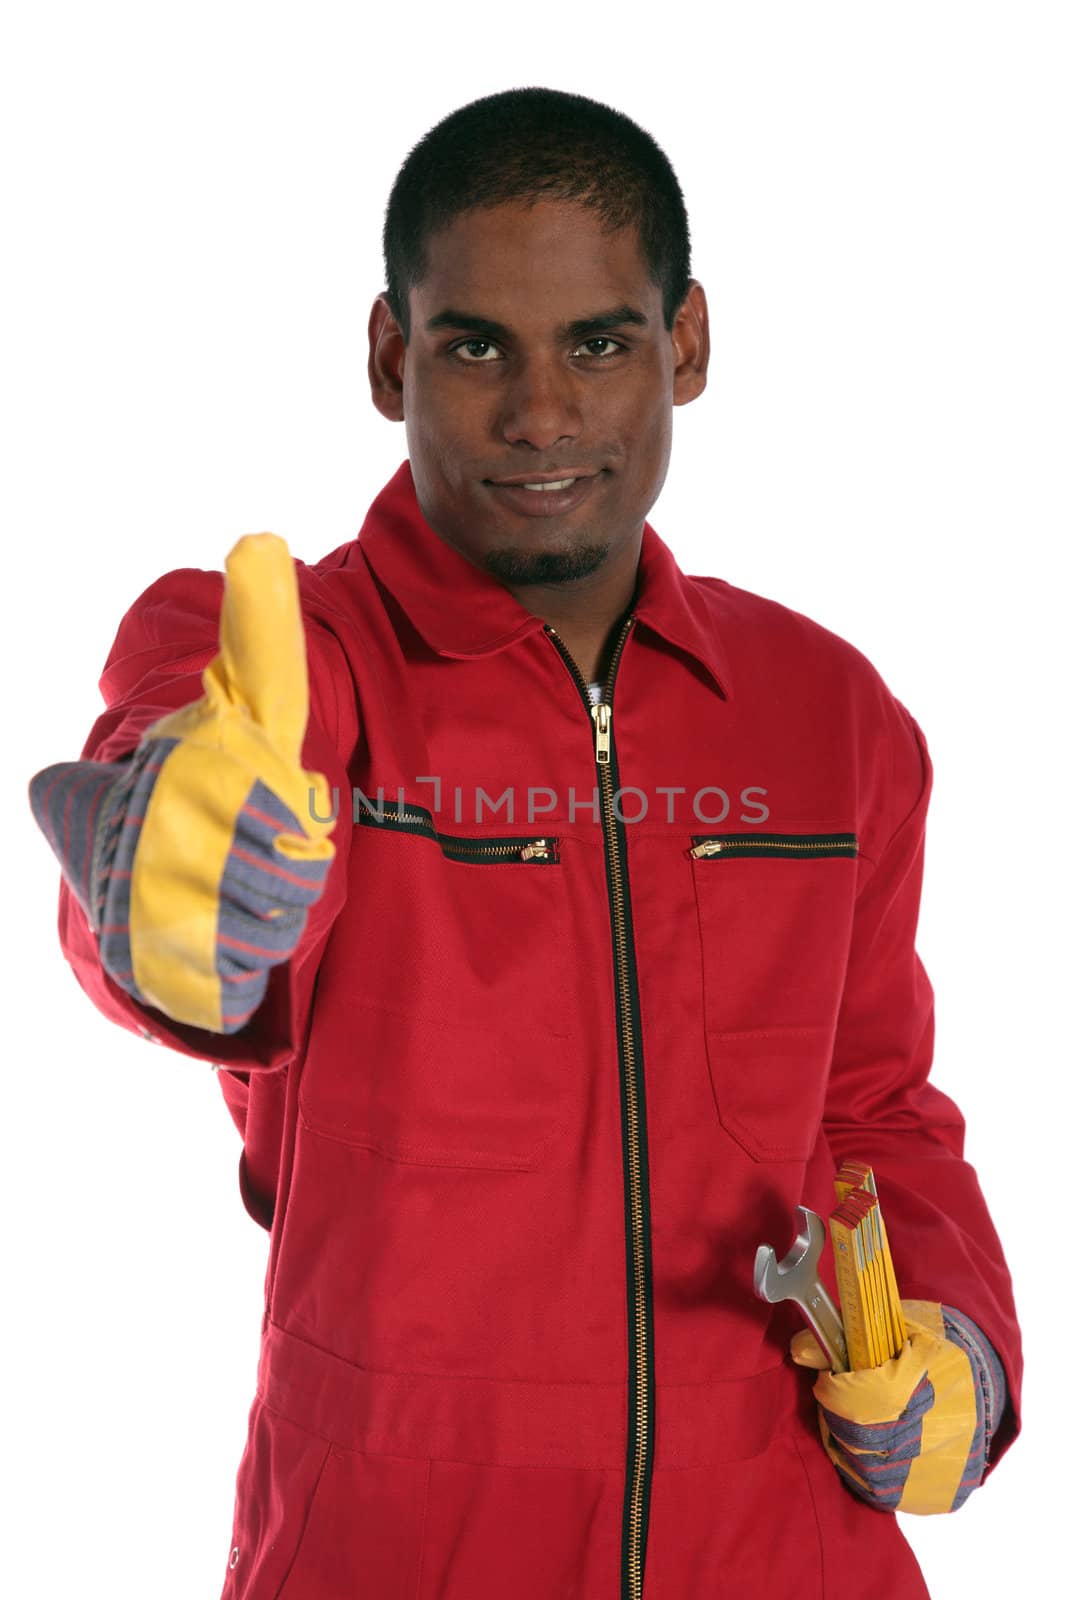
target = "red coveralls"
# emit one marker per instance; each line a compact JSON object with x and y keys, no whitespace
{"x":534,"y":1087}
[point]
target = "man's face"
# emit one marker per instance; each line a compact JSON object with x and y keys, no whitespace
{"x":534,"y":397}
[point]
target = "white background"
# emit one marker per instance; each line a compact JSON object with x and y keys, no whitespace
{"x":193,"y":199}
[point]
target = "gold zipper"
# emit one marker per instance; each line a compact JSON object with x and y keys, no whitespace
{"x":602,"y":715}
{"x":641,"y":1395}
{"x":455,"y":846}
{"x":499,"y":849}
{"x":537,"y":850}
{"x":770,"y":844}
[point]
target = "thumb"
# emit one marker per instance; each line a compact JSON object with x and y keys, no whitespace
{"x":262,"y":663}
{"x":807,"y":1350}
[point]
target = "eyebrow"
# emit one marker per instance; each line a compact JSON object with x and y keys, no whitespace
{"x":581,"y":328}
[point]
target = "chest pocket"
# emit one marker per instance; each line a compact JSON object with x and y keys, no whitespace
{"x":441,"y":1036}
{"x":775,"y":914}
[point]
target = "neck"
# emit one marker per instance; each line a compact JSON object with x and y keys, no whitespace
{"x":586,"y":611}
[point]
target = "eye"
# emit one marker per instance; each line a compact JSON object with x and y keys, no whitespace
{"x":486,"y":344}
{"x":602,"y":338}
{"x":454,"y":350}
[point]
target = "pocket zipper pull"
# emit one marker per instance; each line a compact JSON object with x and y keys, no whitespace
{"x":708,"y":847}
{"x":538,"y":850}
{"x":602,"y":715}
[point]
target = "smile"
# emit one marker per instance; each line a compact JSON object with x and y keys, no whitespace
{"x":545,"y":499}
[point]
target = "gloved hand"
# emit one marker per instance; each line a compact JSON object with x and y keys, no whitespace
{"x":912,"y":1434}
{"x":197,"y":859}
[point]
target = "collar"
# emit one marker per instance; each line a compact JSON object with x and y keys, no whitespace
{"x":462,"y":611}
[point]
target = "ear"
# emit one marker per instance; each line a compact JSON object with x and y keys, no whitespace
{"x":386,"y":360}
{"x":690,"y":344}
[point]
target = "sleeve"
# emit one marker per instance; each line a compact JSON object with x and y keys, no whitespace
{"x":881,"y":1105}
{"x":162,"y":647}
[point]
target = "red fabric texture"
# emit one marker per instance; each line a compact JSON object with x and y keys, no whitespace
{"x":431,"y":1106}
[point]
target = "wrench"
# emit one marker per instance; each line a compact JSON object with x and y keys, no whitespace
{"x":795,"y":1278}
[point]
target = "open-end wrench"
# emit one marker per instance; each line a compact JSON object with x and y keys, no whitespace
{"x":795,"y":1278}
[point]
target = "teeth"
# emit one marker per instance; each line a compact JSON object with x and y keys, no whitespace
{"x":561,"y":483}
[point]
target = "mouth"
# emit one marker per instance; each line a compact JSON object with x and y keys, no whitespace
{"x":549,"y":498}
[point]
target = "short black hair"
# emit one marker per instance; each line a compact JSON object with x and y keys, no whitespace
{"x":530,"y":144}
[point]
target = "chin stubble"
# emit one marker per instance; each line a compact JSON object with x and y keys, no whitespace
{"x":515,"y":565}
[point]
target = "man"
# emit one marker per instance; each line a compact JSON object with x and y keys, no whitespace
{"x":550,"y":917}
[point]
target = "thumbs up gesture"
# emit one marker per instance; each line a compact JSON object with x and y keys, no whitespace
{"x":214,"y":839}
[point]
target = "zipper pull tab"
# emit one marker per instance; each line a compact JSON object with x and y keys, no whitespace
{"x":602,"y":715}
{"x":708,"y":847}
{"x":537,"y":850}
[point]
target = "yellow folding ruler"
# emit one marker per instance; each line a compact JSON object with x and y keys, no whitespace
{"x":868,"y":1292}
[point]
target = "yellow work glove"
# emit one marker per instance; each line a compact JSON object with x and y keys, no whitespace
{"x":229,"y":843}
{"x":912,"y":1434}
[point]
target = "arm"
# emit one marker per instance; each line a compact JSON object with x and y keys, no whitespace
{"x":881,"y":1106}
{"x":157,"y":666}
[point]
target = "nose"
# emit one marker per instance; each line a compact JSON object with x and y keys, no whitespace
{"x":540,"y":406}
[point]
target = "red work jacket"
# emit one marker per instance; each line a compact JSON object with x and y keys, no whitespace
{"x":543,"y":1073}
